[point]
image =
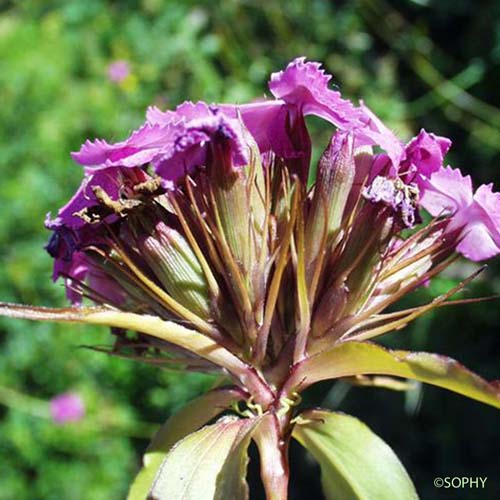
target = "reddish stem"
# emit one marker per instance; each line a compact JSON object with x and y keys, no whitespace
{"x":273,"y":450}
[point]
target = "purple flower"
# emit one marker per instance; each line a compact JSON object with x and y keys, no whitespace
{"x":197,"y":126}
{"x":174,"y":142}
{"x":301,"y":90}
{"x":422,"y":156}
{"x":67,"y":407}
{"x":399,"y":185}
{"x":118,"y":71}
{"x":247,"y":270}
{"x":178,"y":142}
{"x":475,"y":215}
{"x":304,"y":85}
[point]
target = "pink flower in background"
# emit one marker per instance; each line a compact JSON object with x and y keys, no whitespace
{"x":67,"y":407}
{"x":118,"y":71}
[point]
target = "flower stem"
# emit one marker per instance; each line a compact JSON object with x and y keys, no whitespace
{"x":273,"y":450}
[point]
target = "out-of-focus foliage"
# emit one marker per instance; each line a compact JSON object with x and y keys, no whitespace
{"x":416,"y":63}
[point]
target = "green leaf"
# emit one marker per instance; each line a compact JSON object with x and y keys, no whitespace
{"x":363,"y":358}
{"x":195,"y":414}
{"x":208,"y":464}
{"x":231,"y":480}
{"x":355,"y":463}
{"x":174,"y":333}
{"x":154,"y":326}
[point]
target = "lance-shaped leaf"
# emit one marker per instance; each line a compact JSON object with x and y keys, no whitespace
{"x":355,"y":463}
{"x":189,"y":339}
{"x":209,"y":464}
{"x":151,"y":325}
{"x":231,"y":480}
{"x":195,"y":414}
{"x":363,"y":358}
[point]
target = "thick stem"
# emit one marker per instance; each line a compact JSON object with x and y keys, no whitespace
{"x":273,"y":450}
{"x":253,"y":382}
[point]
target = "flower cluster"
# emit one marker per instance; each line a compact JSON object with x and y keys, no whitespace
{"x":180,"y":144}
{"x":201,"y":241}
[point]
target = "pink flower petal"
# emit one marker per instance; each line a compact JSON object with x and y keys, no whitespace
{"x":489,"y":202}
{"x":481,"y":233}
{"x":447,"y":191}
{"x":192,"y":140}
{"x":139,"y":148}
{"x":425,"y":154}
{"x":373,"y":132}
{"x":477,"y":243}
{"x":183,"y":113}
{"x":305,"y":85}
{"x":477,"y":217}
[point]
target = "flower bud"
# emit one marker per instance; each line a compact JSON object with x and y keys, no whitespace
{"x":330,"y":310}
{"x":238,"y":196}
{"x":174,"y":263}
{"x":333,"y":184}
{"x":363,"y":163}
{"x":364,"y":252}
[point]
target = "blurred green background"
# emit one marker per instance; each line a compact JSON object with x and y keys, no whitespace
{"x":420,"y":63}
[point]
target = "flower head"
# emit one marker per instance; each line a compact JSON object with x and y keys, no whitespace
{"x":202,"y":246}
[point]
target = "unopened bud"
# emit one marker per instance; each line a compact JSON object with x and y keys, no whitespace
{"x":175,"y":265}
{"x":363,"y":254}
{"x":330,"y":309}
{"x":239,"y":208}
{"x":334,"y":180}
